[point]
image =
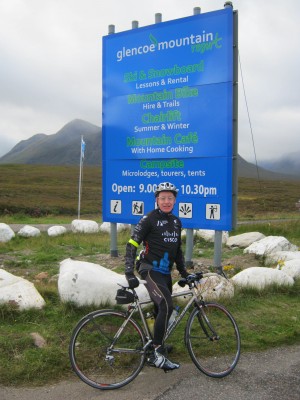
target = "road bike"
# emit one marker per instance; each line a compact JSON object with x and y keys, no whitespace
{"x":109,"y":347}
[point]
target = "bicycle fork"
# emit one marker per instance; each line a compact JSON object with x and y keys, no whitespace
{"x":202,"y":317}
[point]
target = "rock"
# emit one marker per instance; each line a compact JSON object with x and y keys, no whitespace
{"x":56,"y":230}
{"x":278,"y":256}
{"x":19,"y":292}
{"x":212,"y":287}
{"x":270,"y":244}
{"x":106,"y":227}
{"x":86,"y":283}
{"x":6,"y":233}
{"x":244,"y":239}
{"x":38,"y":340}
{"x":209,"y":235}
{"x":42,"y":276}
{"x":84,"y":226}
{"x":291,"y":268}
{"x":29,"y":231}
{"x":261,"y":277}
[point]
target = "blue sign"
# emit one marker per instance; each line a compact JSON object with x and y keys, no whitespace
{"x":167,"y":116}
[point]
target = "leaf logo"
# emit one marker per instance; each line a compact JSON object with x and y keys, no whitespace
{"x":153,"y":39}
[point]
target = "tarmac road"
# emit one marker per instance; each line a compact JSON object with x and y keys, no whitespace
{"x":269,"y":375}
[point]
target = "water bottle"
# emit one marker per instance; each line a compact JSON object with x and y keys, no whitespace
{"x":150,"y":321}
{"x":174,"y":314}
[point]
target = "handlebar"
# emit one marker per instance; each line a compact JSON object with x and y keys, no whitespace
{"x":190,"y":279}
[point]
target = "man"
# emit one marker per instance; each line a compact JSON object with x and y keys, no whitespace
{"x":160,"y":233}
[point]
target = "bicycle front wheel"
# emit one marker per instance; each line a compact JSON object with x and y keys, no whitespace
{"x":106,"y":351}
{"x":213,"y":340}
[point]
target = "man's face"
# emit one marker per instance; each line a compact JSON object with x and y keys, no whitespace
{"x":165,"y":201}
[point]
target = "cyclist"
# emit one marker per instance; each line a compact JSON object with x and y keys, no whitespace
{"x":160,"y":233}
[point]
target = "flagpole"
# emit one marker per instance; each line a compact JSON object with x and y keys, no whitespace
{"x":82,"y":146}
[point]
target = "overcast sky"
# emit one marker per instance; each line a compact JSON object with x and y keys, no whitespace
{"x":51,"y":56}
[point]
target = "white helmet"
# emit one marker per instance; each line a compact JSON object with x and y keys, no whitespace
{"x":166,"y":187}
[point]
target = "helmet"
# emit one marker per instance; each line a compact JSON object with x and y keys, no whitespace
{"x":166,"y":187}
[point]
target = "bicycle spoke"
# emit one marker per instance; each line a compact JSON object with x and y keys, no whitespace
{"x":213,"y":340}
{"x":104,"y":357}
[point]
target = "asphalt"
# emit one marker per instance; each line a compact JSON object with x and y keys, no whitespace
{"x":268,"y":375}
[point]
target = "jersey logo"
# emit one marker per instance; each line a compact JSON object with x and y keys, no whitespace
{"x":161,"y":223}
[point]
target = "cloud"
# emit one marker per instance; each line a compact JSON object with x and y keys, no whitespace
{"x":50,"y":71}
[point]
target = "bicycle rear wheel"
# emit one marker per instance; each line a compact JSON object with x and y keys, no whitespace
{"x":213,"y":340}
{"x":103,"y":355}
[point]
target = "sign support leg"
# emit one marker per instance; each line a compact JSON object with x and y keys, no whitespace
{"x":189,"y":248}
{"x":218,"y":252}
{"x":113,"y":240}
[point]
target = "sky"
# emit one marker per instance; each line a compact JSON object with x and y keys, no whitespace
{"x":51,"y":66}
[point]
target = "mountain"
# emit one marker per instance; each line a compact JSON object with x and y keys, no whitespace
{"x":290,"y":164}
{"x":61,"y":148}
{"x":248,"y":170}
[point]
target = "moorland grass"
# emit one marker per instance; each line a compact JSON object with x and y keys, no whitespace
{"x":45,"y":191}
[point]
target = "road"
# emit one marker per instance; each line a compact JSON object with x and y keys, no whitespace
{"x":269,"y":375}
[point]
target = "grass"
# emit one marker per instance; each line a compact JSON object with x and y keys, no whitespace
{"x":42,"y":194}
{"x":266,"y":319}
{"x":41,"y":191}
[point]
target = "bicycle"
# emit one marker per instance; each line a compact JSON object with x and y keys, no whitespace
{"x":109,"y":348}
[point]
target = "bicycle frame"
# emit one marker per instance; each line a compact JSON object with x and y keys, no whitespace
{"x":137,"y":306}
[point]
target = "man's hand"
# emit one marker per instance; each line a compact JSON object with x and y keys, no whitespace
{"x":184,"y":273}
{"x":132,"y":280}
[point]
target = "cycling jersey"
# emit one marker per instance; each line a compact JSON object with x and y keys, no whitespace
{"x":161,"y":237}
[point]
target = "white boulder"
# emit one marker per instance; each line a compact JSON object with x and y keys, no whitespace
{"x":56,"y":230}
{"x":6,"y":233}
{"x":211,"y":287}
{"x":291,"y":268}
{"x":260,"y":277}
{"x":244,"y":239}
{"x":270,"y":244}
{"x":106,"y":227}
{"x":209,"y":235}
{"x":86,"y":283}
{"x":29,"y":231}
{"x":279,"y":256}
{"x":84,"y":226}
{"x":19,"y":292}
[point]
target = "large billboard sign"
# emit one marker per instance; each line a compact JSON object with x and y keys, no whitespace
{"x":168,"y":116}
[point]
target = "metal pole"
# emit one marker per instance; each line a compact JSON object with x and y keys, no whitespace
{"x":190,"y":232}
{"x":80,"y":178}
{"x":218,"y":234}
{"x":113,"y":240}
{"x":235,"y":121}
{"x":218,"y":252}
{"x":158,"y":18}
{"x":189,"y":248}
{"x":113,"y":225}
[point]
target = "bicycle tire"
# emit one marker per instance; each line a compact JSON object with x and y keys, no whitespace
{"x":213,"y":340}
{"x":89,"y":350}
